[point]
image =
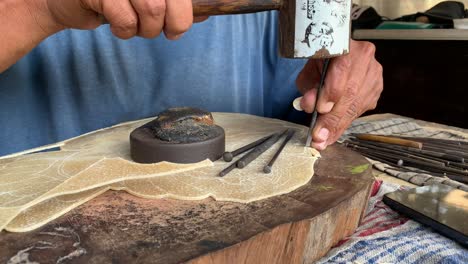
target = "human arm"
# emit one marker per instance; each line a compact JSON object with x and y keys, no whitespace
{"x":25,"y":23}
{"x":353,"y":86}
{"x":21,"y":30}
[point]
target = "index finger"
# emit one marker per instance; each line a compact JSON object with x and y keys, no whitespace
{"x":179,"y":18}
{"x":334,"y":86}
{"x":122,"y":18}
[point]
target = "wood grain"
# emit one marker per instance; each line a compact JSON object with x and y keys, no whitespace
{"x":298,"y":242}
{"x":225,"y":7}
{"x":117,"y":227}
{"x":391,"y":140}
{"x":287,"y":28}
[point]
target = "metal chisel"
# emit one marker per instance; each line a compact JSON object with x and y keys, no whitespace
{"x":315,"y":113}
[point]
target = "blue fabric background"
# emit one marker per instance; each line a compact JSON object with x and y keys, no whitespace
{"x":79,"y":81}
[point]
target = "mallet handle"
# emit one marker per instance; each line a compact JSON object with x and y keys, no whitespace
{"x":226,"y":7}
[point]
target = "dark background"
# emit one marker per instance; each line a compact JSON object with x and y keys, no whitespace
{"x":425,"y":79}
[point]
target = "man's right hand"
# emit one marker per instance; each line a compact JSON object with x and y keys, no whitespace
{"x":25,"y":23}
{"x":127,"y":18}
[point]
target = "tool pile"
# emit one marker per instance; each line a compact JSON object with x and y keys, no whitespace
{"x":256,"y":149}
{"x":439,"y":157}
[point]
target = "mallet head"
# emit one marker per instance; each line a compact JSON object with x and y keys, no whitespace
{"x":308,"y":28}
{"x":314,"y":28}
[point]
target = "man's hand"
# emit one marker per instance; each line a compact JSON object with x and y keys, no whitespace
{"x":127,"y":18}
{"x":25,"y":23}
{"x":353,"y":85}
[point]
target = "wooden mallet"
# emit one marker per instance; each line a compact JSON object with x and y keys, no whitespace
{"x":307,"y":28}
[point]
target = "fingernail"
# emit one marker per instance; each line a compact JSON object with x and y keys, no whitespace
{"x":319,"y":146}
{"x":323,"y":134}
{"x":297,"y":104}
{"x":327,"y":107}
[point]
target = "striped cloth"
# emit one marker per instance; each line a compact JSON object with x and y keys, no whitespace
{"x":400,"y":126}
{"x":406,"y":127}
{"x":384,"y":236}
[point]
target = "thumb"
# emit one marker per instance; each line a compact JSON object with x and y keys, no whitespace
{"x":325,"y":130}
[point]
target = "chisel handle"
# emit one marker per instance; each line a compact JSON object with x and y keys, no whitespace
{"x":227,"y":7}
{"x":390,"y":140}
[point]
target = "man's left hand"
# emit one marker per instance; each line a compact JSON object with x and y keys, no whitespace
{"x":353,"y":86}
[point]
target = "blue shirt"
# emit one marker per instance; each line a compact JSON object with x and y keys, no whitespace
{"x":78,"y":81}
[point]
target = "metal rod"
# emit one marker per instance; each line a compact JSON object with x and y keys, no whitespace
{"x":419,"y":163}
{"x":228,"y":156}
{"x":267,"y":168}
{"x":403,"y":153}
{"x":390,"y":140}
{"x":440,"y":158}
{"x":399,"y":164}
{"x":411,"y":151}
{"x":447,"y":146}
{"x":441,"y":144}
{"x":447,"y":141}
{"x":431,"y":153}
{"x":447,"y":151}
{"x":227,"y":170}
{"x":313,"y":121}
{"x":459,"y":165}
{"x":258,"y":150}
{"x":400,"y":167}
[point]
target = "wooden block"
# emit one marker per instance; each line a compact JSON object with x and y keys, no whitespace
{"x":298,"y":227}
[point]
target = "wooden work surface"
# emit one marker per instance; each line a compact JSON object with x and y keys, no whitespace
{"x":117,"y":227}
